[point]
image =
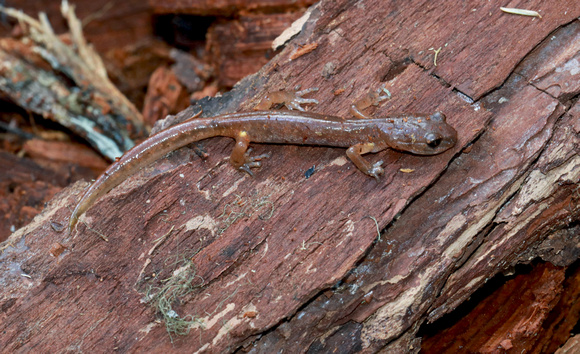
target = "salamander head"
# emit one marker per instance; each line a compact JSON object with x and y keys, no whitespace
{"x":423,"y":135}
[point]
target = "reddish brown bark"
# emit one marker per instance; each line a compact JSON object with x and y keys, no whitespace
{"x":242,"y":46}
{"x":509,"y":319}
{"x":25,"y":189}
{"x":164,"y":95}
{"x":283,"y":261}
{"x":64,"y":152}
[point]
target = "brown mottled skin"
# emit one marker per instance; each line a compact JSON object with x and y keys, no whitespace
{"x":417,"y":134}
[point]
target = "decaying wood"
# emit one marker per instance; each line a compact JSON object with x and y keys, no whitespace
{"x":202,"y":258}
{"x":130,"y":66}
{"x":228,"y":7}
{"x":67,"y":83}
{"x":164,"y":96}
{"x":243,"y":46}
{"x":534,"y":312}
{"x":108,"y":25}
{"x":526,"y":300}
{"x":24,"y":191}
{"x":168,"y":86}
{"x":64,"y":151}
{"x":571,"y":346}
{"x":191,"y":72}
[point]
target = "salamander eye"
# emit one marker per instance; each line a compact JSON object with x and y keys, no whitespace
{"x":433,"y":140}
{"x":438,"y":116}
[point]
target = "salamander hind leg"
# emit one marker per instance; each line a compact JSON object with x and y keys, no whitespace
{"x":240,"y":157}
{"x":355,"y":153}
{"x":291,"y":99}
{"x":372,"y":98}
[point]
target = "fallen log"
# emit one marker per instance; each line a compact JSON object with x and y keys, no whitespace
{"x":189,"y":254}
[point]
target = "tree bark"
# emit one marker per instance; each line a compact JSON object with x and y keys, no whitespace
{"x":192,"y":255}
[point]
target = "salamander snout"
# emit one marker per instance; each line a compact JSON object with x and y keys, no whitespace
{"x":422,"y":134}
{"x":439,"y":136}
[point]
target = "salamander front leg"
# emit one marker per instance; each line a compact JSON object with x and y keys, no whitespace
{"x":241,"y":158}
{"x":355,"y":153}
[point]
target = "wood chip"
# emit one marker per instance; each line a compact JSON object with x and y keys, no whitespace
{"x":522,"y":12}
{"x":303,"y":50}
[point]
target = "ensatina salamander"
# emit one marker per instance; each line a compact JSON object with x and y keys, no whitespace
{"x":417,"y":134}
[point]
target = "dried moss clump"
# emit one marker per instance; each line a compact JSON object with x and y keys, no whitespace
{"x":173,"y":290}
